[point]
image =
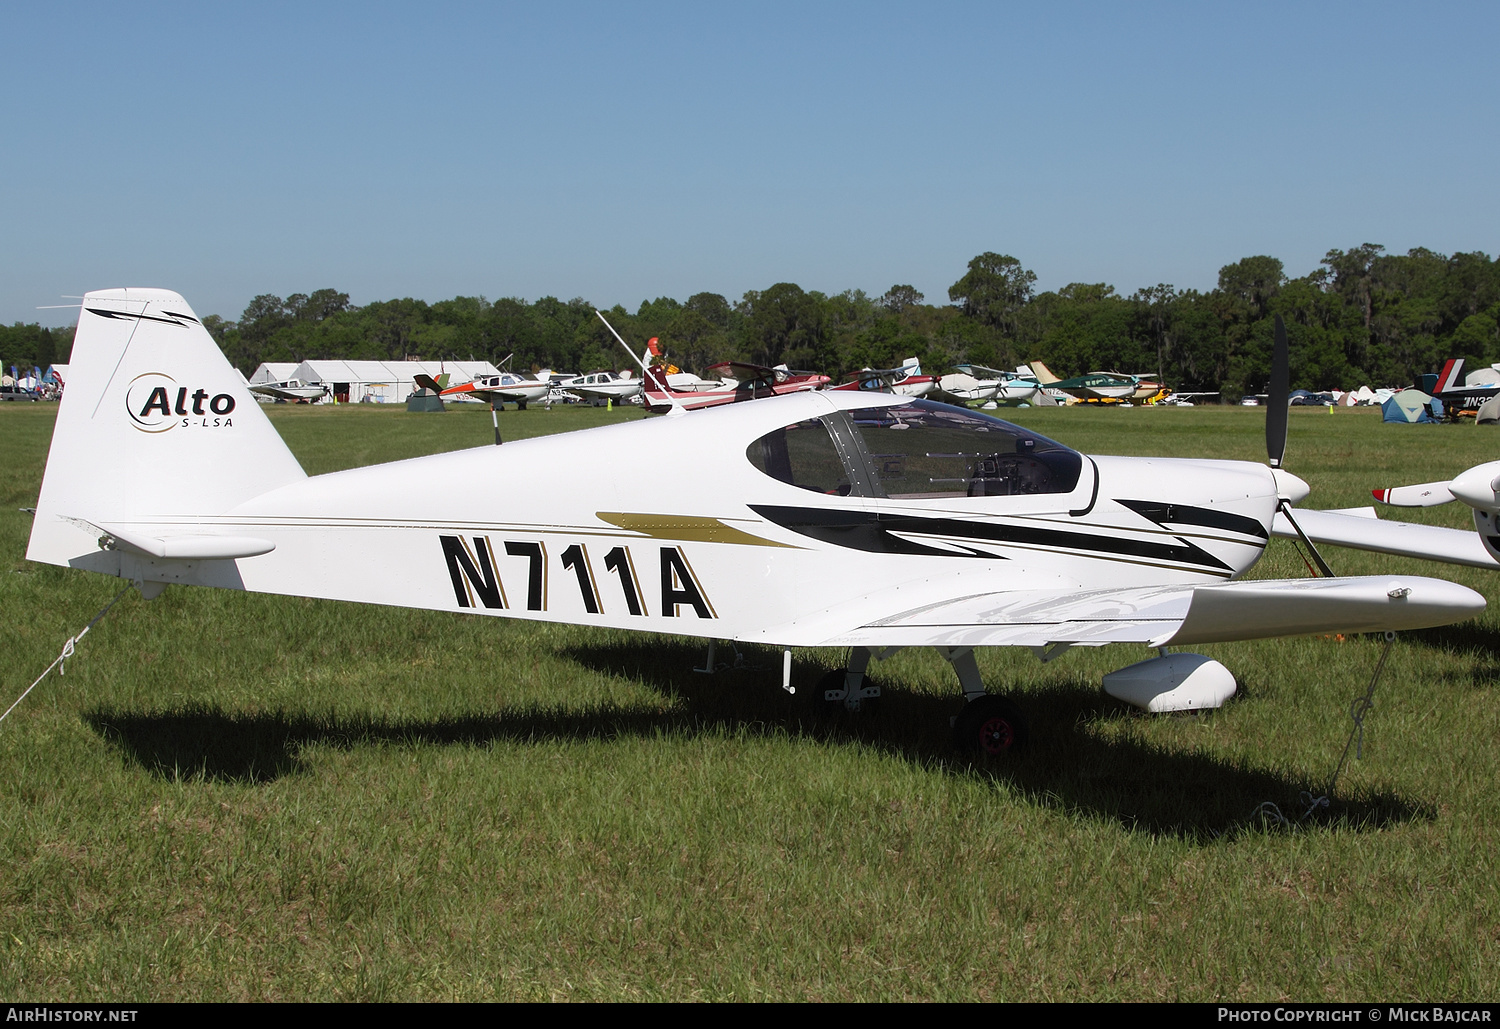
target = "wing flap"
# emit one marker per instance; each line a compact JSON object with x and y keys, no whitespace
{"x":1159,"y":615}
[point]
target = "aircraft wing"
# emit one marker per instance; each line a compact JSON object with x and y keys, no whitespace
{"x":1152,"y":615}
{"x":1360,"y":529}
{"x":741,"y":371}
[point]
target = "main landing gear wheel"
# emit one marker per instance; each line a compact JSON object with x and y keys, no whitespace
{"x":834,"y":682}
{"x":989,"y":726}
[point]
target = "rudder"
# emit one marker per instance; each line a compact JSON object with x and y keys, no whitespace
{"x":155,"y":424}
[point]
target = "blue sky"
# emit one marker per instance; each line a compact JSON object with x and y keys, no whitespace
{"x":625,"y":151}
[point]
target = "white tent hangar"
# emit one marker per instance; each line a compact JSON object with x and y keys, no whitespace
{"x":380,"y":382}
{"x":274,"y":371}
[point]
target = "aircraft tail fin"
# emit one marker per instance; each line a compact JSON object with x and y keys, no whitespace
{"x":656,"y":378}
{"x":1043,"y":374}
{"x":155,"y":425}
{"x":1448,"y":378}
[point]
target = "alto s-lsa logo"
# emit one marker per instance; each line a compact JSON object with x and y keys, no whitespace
{"x":156,"y":403}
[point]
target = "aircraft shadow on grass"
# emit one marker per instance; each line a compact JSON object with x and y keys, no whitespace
{"x":1475,"y":638}
{"x":1065,"y":767}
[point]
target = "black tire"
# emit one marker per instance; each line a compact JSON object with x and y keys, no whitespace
{"x":520,"y":405}
{"x":989,"y":726}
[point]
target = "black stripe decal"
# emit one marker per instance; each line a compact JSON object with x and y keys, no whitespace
{"x":123,"y":316}
{"x":1181,"y":514}
{"x":875,"y":533}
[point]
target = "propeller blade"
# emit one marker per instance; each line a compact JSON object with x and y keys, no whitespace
{"x":1279,"y":394}
{"x":1289,"y":488}
{"x":1423,"y":494}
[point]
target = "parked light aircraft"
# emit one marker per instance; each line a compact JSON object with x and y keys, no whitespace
{"x":291,"y":389}
{"x":744,"y":382}
{"x":495,"y":390}
{"x":906,"y":381}
{"x":834,"y":519}
{"x":1110,"y":387}
{"x":1458,"y":395}
{"x":973,"y":383}
{"x":602,"y":386}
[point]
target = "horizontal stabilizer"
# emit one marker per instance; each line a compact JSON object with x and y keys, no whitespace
{"x":190,"y":548}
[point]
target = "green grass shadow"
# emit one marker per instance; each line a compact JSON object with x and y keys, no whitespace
{"x":1190,"y":795}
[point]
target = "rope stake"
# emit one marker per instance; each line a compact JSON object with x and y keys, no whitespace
{"x":1268,"y":811}
{"x":68,"y":648}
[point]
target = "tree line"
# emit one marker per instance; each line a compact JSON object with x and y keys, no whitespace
{"x":1362,"y":316}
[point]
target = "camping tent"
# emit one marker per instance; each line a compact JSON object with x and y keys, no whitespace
{"x":1412,"y":405}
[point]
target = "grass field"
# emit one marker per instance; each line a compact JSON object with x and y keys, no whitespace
{"x":236,"y":797}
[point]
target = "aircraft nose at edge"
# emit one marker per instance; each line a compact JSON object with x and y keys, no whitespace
{"x":1477,"y":487}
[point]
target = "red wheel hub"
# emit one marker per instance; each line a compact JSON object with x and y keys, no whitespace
{"x":996,"y":736}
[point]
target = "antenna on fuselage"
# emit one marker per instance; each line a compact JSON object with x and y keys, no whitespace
{"x":677,"y":408}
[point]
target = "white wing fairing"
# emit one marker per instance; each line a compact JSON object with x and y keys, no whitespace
{"x":834,"y":518}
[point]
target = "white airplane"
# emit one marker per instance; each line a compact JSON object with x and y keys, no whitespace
{"x":973,"y":383}
{"x":291,"y":389}
{"x":602,"y":386}
{"x":834,"y":520}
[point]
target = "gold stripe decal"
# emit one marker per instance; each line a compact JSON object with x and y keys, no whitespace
{"x":689,"y":528}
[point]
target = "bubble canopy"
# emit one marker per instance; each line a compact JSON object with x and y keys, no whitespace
{"x":916,"y":450}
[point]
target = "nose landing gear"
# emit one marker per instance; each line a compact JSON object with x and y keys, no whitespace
{"x":847,"y":689}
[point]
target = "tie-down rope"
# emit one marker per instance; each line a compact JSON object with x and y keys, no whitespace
{"x":1357,"y":711}
{"x":67,"y":652}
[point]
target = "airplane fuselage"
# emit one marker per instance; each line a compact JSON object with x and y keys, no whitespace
{"x":737,"y":550}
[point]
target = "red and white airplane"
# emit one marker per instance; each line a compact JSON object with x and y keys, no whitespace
{"x":906,"y":381}
{"x":745,"y":382}
{"x":496,"y":390}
